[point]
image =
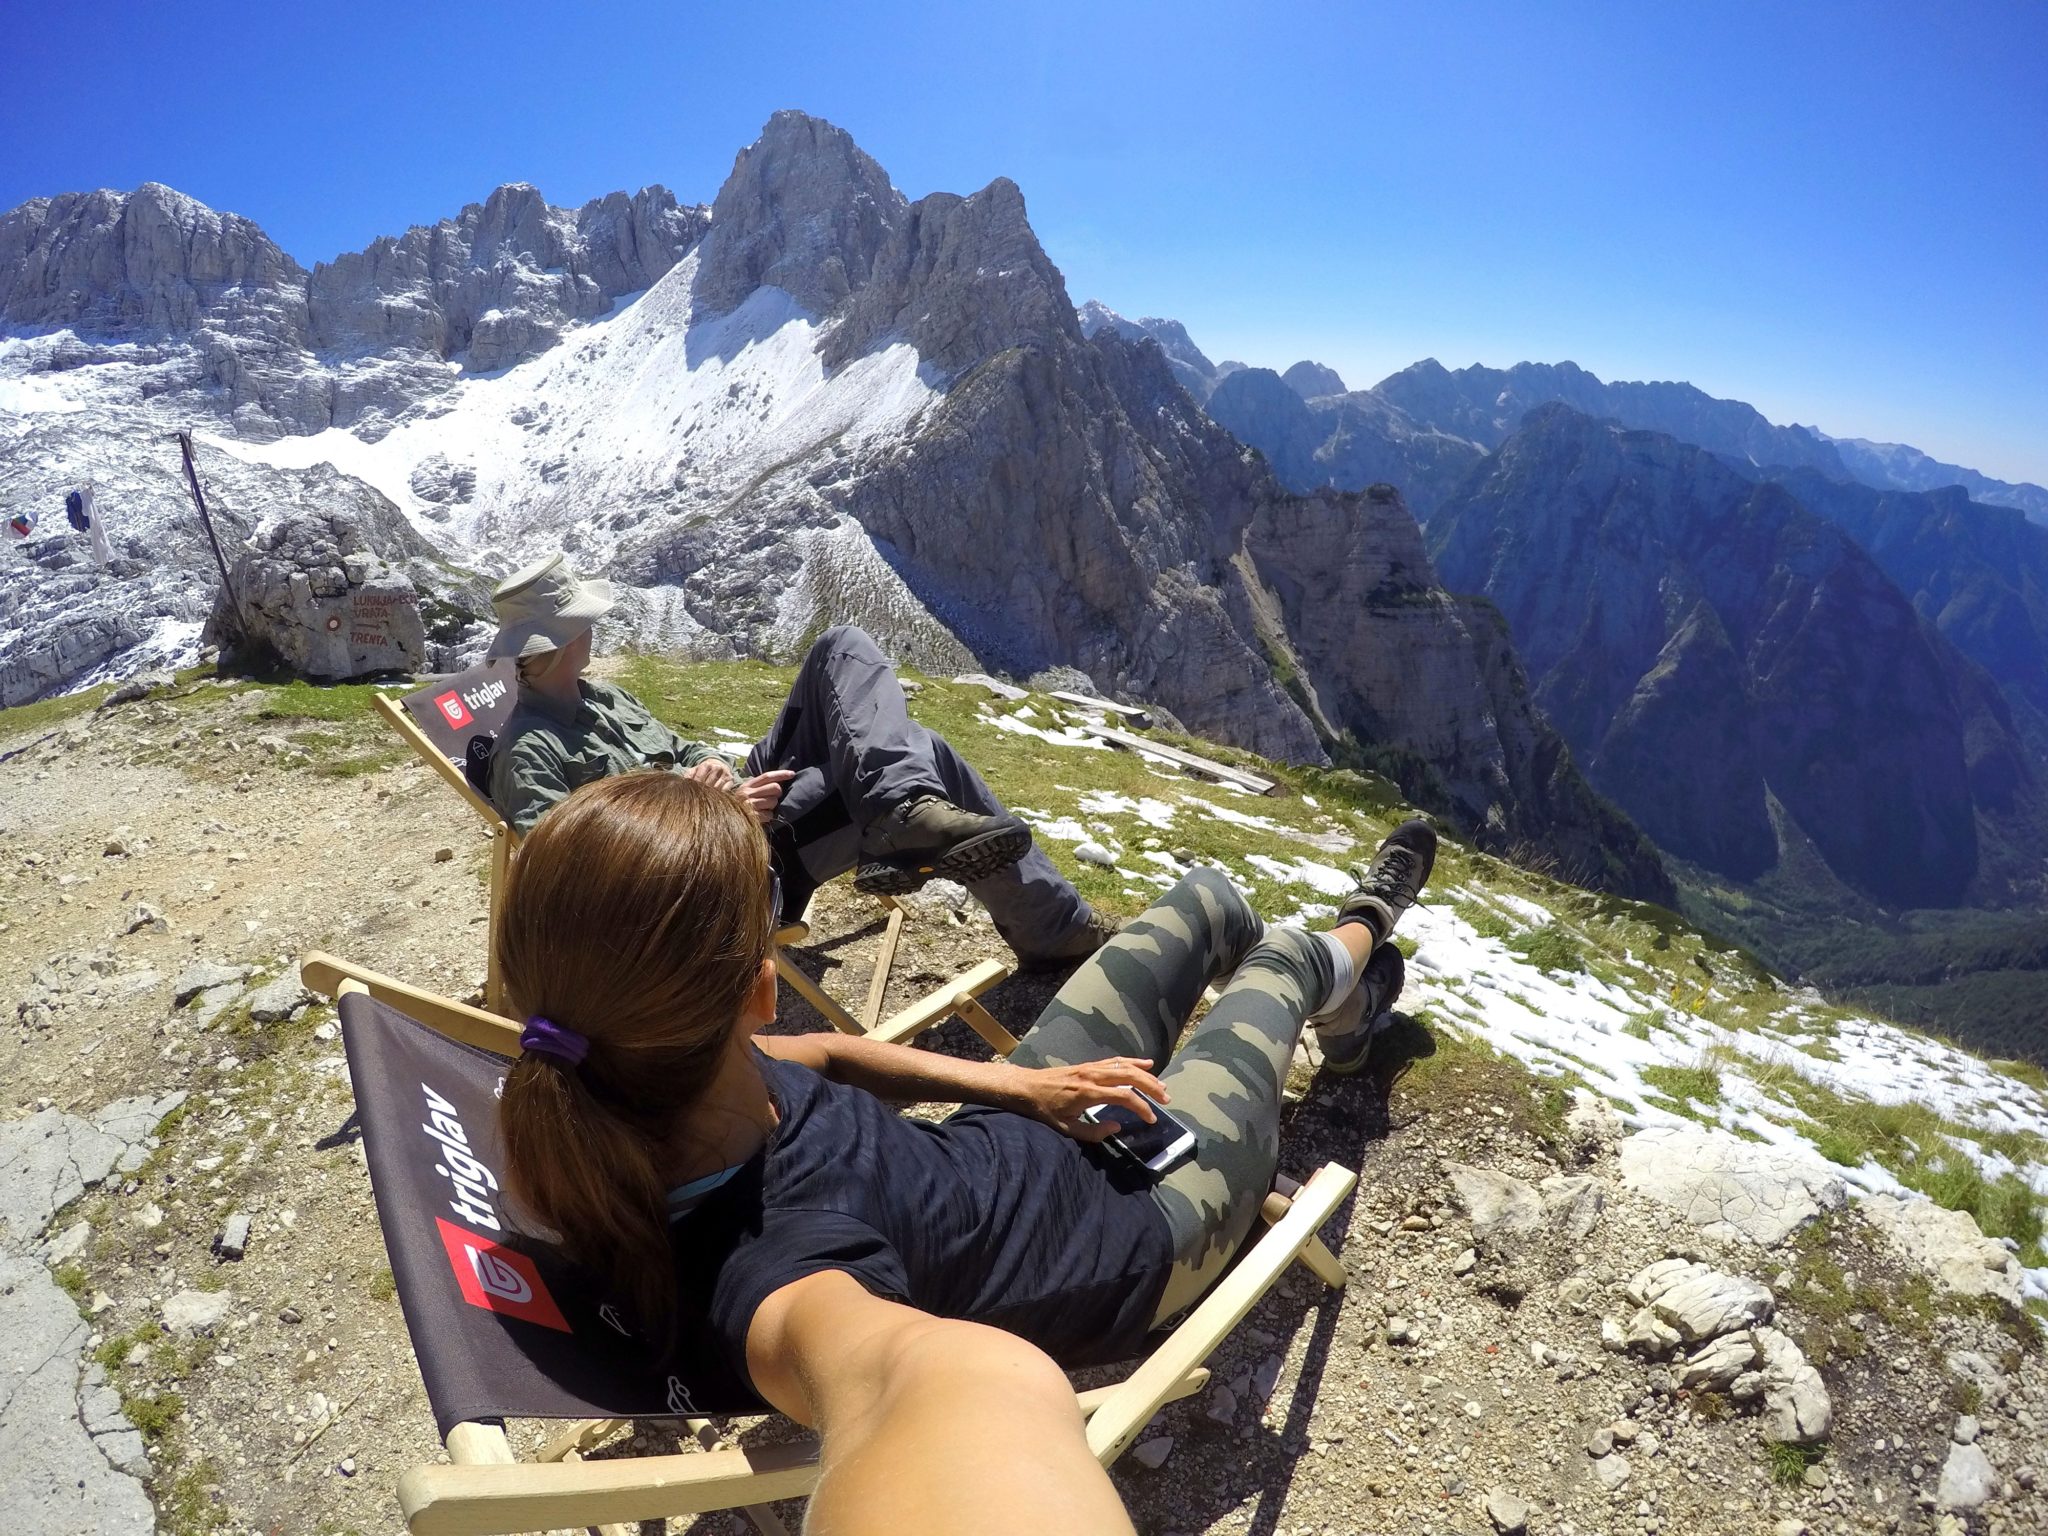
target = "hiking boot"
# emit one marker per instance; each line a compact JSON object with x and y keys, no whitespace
{"x":1346,"y":1032}
{"x":926,"y":838}
{"x":1092,"y":935}
{"x":1389,"y":885}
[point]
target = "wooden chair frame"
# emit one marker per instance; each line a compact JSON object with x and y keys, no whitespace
{"x":505,"y":846}
{"x":486,"y":1490}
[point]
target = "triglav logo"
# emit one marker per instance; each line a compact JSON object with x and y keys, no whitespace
{"x":453,"y":709}
{"x":679,"y":1399}
{"x":498,"y":1279}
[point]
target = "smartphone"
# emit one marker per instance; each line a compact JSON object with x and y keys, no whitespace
{"x":1158,"y":1146}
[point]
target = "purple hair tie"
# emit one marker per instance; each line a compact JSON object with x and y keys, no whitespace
{"x":544,"y":1037}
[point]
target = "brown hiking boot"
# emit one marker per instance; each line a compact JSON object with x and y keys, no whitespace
{"x":1389,"y":885}
{"x":927,"y":838}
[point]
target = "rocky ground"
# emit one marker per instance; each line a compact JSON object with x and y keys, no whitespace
{"x":197,"y":1307}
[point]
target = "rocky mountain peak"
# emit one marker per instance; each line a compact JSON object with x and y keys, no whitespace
{"x":1191,"y":367}
{"x":960,"y":279}
{"x":805,"y":210}
{"x":1310,"y":380}
{"x":144,"y":262}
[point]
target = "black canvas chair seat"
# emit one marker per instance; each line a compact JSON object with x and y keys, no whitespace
{"x":503,"y":1328}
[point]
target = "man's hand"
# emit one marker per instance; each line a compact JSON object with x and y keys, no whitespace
{"x":1058,"y":1095}
{"x":763,"y":792}
{"x":713,"y":771}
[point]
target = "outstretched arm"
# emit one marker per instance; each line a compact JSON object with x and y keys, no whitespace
{"x":928,"y":1424}
{"x":903,"y":1074}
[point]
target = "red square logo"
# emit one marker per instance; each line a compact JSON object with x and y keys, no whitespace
{"x":499,"y":1280}
{"x":453,"y":709}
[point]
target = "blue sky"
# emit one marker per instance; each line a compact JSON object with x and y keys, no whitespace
{"x":1837,"y":212}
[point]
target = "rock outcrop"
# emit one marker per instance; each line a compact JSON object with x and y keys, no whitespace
{"x":1730,"y":1188}
{"x":1427,"y":688}
{"x":1947,"y":1245}
{"x":311,"y":591}
{"x":1192,"y":369}
{"x":502,"y":280}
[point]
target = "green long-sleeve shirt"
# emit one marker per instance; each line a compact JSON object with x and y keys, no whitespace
{"x":550,"y":747}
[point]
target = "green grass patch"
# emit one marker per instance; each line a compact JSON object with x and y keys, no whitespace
{"x":1699,"y":1084}
{"x":301,"y":700}
{"x":190,"y":1508}
{"x":2026,"y":1072}
{"x":1551,"y":948}
{"x":1639,"y":1025}
{"x":383,"y":1284}
{"x":154,"y":1413}
{"x":72,"y":1280}
{"x":45,"y":713}
{"x":1484,"y":920}
{"x":1788,"y":1463}
{"x":1921,"y":1149}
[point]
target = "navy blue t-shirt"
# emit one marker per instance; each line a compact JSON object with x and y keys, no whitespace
{"x":988,"y":1216}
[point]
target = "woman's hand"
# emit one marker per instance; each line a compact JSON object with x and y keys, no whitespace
{"x":713,"y":771}
{"x":1058,"y":1095}
{"x":763,"y":792}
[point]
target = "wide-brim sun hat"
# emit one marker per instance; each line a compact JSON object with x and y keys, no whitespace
{"x":544,"y":607}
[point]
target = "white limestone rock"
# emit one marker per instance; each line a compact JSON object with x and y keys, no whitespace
{"x":1501,"y":1208}
{"x":1728,"y":1187}
{"x":1699,"y":1302}
{"x":1968,"y":1479}
{"x":1797,"y":1408}
{"x":1946,"y":1244}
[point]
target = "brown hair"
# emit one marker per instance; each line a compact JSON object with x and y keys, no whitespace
{"x":637,"y":914}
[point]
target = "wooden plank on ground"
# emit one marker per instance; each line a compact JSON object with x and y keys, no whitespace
{"x":1128,"y":711}
{"x":1160,"y":749}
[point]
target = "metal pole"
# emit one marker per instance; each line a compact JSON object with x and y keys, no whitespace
{"x":206,"y":522}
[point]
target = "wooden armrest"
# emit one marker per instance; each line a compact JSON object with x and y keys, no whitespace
{"x":569,"y":1495}
{"x":472,"y":1026}
{"x":1130,"y":1407}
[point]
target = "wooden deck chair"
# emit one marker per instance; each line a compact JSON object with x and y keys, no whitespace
{"x":452,"y":723}
{"x":503,"y":1330}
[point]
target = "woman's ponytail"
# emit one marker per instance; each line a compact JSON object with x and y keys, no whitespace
{"x":636,"y":917}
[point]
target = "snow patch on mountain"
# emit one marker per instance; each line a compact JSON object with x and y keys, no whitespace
{"x":1614,"y":1032}
{"x":648,"y":411}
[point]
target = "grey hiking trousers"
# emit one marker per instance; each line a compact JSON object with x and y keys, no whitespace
{"x":1134,"y":996}
{"x":856,"y":752}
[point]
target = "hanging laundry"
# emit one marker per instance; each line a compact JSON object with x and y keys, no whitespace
{"x":74,"y":510}
{"x":95,"y":524}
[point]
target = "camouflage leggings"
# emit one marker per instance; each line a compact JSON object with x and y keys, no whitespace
{"x":1133,"y":998}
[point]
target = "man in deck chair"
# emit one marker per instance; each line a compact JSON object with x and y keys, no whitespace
{"x":844,"y":780}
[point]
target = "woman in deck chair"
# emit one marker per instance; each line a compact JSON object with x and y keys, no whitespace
{"x":911,"y":1288}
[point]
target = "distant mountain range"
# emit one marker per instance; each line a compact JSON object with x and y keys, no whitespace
{"x":1736,"y":672}
{"x":1482,"y":406}
{"x":1826,"y":699}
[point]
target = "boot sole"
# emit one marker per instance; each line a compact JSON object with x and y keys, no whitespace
{"x":975,"y":859}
